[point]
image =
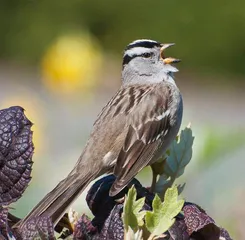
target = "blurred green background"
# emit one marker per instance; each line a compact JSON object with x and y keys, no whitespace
{"x":61,"y":61}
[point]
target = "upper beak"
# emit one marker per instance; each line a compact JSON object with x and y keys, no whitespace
{"x":168,"y":60}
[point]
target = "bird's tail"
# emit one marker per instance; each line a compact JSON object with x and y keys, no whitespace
{"x":55,"y":203}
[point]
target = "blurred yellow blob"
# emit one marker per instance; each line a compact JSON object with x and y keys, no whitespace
{"x":71,"y":64}
{"x":33,"y":112}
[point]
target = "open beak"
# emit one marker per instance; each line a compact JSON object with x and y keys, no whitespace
{"x":168,"y":60}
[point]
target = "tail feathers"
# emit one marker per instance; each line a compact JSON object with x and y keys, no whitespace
{"x":55,"y":203}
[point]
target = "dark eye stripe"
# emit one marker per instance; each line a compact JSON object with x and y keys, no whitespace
{"x":127,"y":58}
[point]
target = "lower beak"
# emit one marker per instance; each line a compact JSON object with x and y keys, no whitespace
{"x":170,"y":60}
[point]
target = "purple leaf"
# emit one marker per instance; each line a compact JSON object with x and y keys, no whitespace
{"x":40,"y":228}
{"x":5,"y":230}
{"x":84,"y":230}
{"x":224,"y":234}
{"x":113,"y":227}
{"x":178,"y":231}
{"x":199,"y":224}
{"x":16,"y":150}
{"x":3,"y":221}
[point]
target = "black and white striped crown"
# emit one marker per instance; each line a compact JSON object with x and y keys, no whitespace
{"x":145,"y":43}
{"x":137,"y":48}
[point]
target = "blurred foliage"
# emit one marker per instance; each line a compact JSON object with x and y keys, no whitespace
{"x":72,"y":64}
{"x":209,"y":34}
{"x":219,"y":143}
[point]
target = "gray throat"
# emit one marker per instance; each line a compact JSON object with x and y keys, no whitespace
{"x":131,"y":77}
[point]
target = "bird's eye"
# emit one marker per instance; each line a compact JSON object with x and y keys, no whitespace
{"x":146,"y":55}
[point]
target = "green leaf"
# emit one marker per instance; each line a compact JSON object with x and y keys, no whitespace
{"x":131,"y":235}
{"x":161,"y":218}
{"x":132,"y":214}
{"x":180,"y":153}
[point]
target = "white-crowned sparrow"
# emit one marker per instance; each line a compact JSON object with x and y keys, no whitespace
{"x":132,"y":131}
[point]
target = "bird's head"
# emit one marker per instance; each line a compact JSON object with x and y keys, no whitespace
{"x":144,"y":61}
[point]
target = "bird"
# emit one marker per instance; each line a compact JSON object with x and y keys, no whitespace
{"x":133,"y":130}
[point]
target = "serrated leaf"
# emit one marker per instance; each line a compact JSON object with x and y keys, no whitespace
{"x":180,"y":155}
{"x":161,"y":218}
{"x":132,"y":214}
